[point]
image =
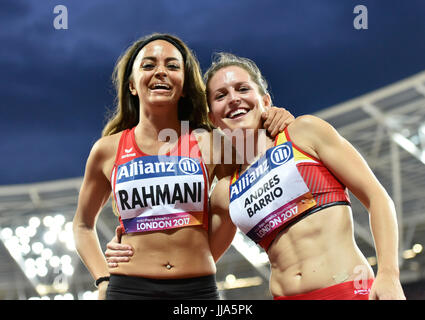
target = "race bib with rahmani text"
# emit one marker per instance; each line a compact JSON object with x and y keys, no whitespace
{"x":160,"y":192}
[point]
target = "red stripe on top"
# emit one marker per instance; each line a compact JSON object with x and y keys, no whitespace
{"x":323,"y":185}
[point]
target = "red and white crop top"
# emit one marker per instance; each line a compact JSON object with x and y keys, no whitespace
{"x":278,"y":189}
{"x":160,"y":192}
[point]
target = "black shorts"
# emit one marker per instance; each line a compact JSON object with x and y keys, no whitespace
{"x":123,"y":287}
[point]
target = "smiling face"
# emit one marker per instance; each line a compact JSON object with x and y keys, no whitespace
{"x":234,"y":99}
{"x":158,"y":74}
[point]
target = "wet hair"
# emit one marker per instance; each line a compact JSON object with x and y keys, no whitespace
{"x":223,"y":59}
{"x":192,"y":107}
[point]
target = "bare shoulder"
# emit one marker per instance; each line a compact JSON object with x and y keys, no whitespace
{"x":102,"y":155}
{"x":202,"y":135}
{"x":205,"y":142}
{"x":213,"y":140}
{"x":308,"y":121}
{"x":311,"y":128}
{"x":107,"y":146}
{"x":217,"y":151}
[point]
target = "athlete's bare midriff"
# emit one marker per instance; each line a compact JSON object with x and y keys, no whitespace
{"x":166,"y":254}
{"x":317,"y":252}
{"x":169,"y":254}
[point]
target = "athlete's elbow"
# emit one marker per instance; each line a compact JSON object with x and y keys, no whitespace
{"x":381,"y":200}
{"x":80,"y":228}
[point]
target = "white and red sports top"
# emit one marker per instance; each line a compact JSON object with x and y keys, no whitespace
{"x":160,"y":192}
{"x":278,"y":189}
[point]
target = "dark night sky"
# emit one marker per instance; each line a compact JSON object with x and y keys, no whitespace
{"x":56,"y":84}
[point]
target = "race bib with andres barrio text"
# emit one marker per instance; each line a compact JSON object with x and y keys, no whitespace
{"x":269,"y":194}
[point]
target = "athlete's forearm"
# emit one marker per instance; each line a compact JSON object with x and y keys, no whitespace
{"x":88,"y":247}
{"x":384,"y":228}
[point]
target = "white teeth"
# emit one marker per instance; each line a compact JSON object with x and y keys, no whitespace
{"x":237,"y":112}
{"x":160,"y":86}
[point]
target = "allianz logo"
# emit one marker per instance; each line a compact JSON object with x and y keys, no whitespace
{"x":280,"y":154}
{"x":188,"y":166}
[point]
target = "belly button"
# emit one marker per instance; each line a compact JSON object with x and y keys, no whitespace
{"x":298,"y":275}
{"x":168,"y":266}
